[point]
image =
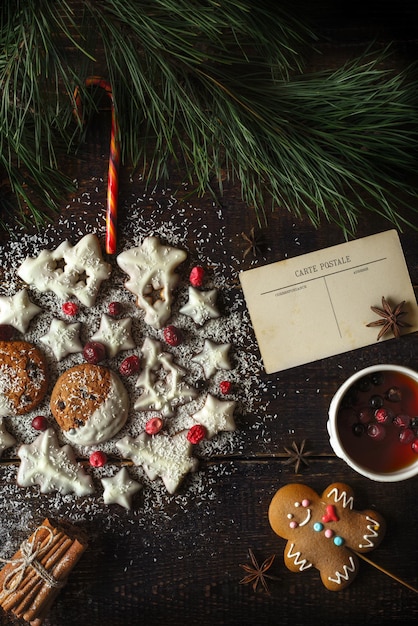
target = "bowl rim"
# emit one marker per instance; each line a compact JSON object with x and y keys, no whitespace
{"x":402,"y":474}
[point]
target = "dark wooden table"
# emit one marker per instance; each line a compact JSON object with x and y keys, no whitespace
{"x":176,"y":559}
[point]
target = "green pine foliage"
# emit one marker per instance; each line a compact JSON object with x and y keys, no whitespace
{"x":217,"y":85}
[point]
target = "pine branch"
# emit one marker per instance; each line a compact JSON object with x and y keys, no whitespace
{"x":219,"y":87}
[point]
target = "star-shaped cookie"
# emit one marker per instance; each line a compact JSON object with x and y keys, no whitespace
{"x":161,"y":455}
{"x":6,"y":439}
{"x":201,"y":305}
{"x":63,"y":338}
{"x":18,"y":310}
{"x":115,"y":335}
{"x":44,"y":463}
{"x":120,"y":489}
{"x":214,"y":356}
{"x":216,"y":415}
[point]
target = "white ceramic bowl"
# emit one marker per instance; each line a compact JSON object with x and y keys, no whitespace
{"x":334,"y":436}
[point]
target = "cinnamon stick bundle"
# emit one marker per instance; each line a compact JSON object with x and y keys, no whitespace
{"x":33,"y":577}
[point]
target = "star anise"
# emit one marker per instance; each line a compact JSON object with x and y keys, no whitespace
{"x":390,"y":319}
{"x":253,"y":241}
{"x":297,"y":455}
{"x":256,"y":574}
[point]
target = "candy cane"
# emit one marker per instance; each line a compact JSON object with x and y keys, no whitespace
{"x":114,"y":159}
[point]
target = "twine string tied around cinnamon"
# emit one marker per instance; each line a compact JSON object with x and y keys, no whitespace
{"x":31,"y":553}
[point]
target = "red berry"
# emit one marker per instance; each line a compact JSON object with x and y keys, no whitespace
{"x":6,"y":332}
{"x":98,"y":458}
{"x":196,"y":433}
{"x":196,"y":276}
{"x":94,"y":352}
{"x":70,"y":308}
{"x":403,"y":421}
{"x":115,"y":308}
{"x":415,"y":445}
{"x":225,"y":386}
{"x":383,"y":415}
{"x":406,"y":436}
{"x":376,"y":431}
{"x":130,"y":365}
{"x":154,"y":425}
{"x":39,"y":423}
{"x":172,"y":335}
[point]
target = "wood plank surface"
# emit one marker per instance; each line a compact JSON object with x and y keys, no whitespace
{"x":176,"y":560}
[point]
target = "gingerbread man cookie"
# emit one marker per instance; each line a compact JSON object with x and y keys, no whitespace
{"x":324,"y":531}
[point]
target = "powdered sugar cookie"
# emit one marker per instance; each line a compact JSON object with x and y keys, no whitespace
{"x":90,"y":403}
{"x":324,"y":531}
{"x":152,"y":278}
{"x":68,"y":270}
{"x":18,"y":310}
{"x":23,"y":377}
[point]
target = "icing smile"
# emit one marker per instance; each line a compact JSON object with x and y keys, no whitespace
{"x":305,"y":504}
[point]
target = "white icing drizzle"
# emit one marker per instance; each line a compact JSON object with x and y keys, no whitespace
{"x":44,"y":463}
{"x":343,"y":576}
{"x":151,"y":270}
{"x":120,"y":488}
{"x":346,"y":502}
{"x":161,"y":456}
{"x":297,"y":560}
{"x":373,"y":528}
{"x":68,"y":271}
{"x":106,"y":420}
{"x":115,"y":335}
{"x":216,"y":415}
{"x":18,"y":310}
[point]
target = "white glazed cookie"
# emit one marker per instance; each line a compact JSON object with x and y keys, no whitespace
{"x":62,"y":339}
{"x":44,"y":463}
{"x":213,"y":357}
{"x":68,"y":270}
{"x":115,"y":335}
{"x":161,"y":394}
{"x":201,"y":305}
{"x":152,"y":278}
{"x":18,"y":310}
{"x":161,"y":456}
{"x":120,"y":488}
{"x":216,"y":415}
{"x":6,"y":439}
{"x":90,"y":403}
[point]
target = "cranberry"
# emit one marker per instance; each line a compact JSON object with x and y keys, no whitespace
{"x":365,"y":415}
{"x":154,"y":425}
{"x":196,"y":276}
{"x":403,"y":421}
{"x":114,"y":308}
{"x":376,"y":431}
{"x":6,"y":332}
{"x":40,"y":422}
{"x":383,"y":415}
{"x":130,"y":365}
{"x":172,"y":335}
{"x":415,"y":446}
{"x":196,"y":433}
{"x":94,"y":352}
{"x":393,"y":394}
{"x":406,"y":436}
{"x":376,"y":402}
{"x":98,"y":459}
{"x":70,"y":308}
{"x":225,"y":386}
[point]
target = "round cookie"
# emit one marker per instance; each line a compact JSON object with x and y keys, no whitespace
{"x":324,"y":531}
{"x":23,"y":377}
{"x":90,"y":404}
